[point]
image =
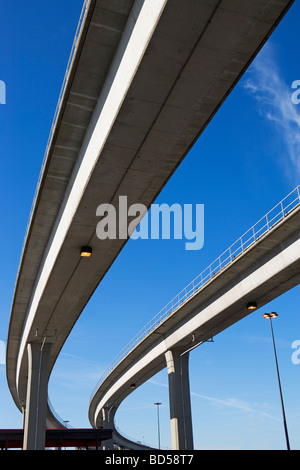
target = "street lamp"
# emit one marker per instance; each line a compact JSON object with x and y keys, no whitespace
{"x":158,"y":430}
{"x":270,"y":316}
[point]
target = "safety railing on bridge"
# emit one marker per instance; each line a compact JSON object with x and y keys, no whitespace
{"x":252,"y":236}
{"x":54,"y":122}
{"x":64,"y":423}
{"x":58,"y":108}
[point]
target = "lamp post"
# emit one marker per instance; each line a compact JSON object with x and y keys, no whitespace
{"x":158,"y":430}
{"x":270,"y":316}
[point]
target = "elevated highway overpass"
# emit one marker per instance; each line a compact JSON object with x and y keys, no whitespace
{"x":260,"y":266}
{"x":145,"y":78}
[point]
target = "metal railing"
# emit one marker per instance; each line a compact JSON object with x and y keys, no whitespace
{"x":57,"y":110}
{"x":58,"y":418}
{"x":263,"y":226}
{"x":56,"y":114}
{"x":135,"y":440}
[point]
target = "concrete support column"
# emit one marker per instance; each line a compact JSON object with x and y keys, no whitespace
{"x":37,"y":396}
{"x":108,"y":415}
{"x":180,"y":403}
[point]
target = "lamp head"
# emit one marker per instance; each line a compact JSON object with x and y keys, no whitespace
{"x":252,"y":306}
{"x":86,"y":251}
{"x":270,"y":315}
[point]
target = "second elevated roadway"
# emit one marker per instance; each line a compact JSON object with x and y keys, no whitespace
{"x":263,"y":264}
{"x":144,"y":80}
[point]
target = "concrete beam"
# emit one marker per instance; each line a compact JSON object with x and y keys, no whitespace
{"x":264,"y":272}
{"x":37,"y":396}
{"x":108,"y":414}
{"x":180,"y":402}
{"x":128,"y":148}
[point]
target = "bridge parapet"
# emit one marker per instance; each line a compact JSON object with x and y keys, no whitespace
{"x":243,"y":244}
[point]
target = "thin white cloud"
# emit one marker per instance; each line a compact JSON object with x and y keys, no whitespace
{"x":79,"y":358}
{"x":274,"y":97}
{"x":160,"y":384}
{"x":233,"y":403}
{"x":229,"y":402}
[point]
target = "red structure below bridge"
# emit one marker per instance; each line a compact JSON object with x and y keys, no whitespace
{"x":79,"y":438}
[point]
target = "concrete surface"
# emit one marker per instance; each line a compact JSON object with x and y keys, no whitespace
{"x":175,"y":63}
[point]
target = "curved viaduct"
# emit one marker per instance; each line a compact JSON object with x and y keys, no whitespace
{"x":145,"y":78}
{"x":262,"y":265}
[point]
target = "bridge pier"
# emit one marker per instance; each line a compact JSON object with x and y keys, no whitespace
{"x":108,"y":414}
{"x":180,"y":402}
{"x":37,"y":396}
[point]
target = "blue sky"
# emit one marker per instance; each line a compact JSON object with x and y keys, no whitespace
{"x":246,"y":161}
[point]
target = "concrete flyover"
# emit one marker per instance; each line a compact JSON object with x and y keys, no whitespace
{"x":145,"y":78}
{"x":263,"y":264}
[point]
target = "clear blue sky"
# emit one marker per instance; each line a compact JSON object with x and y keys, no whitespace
{"x":247,"y":160}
